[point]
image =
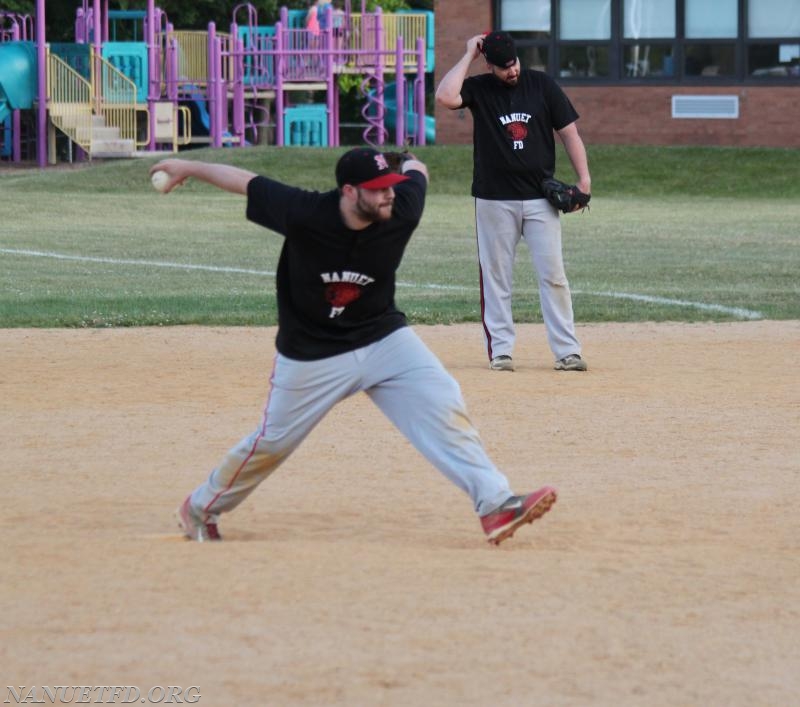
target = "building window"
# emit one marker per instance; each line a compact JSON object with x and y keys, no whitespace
{"x":525,"y":16}
{"x":648,"y":18}
{"x":776,"y":59}
{"x":533,"y":57}
{"x":666,"y":41}
{"x":773,"y":60}
{"x":712,"y":20}
{"x":585,"y":19}
{"x":773,"y":18}
{"x":583,"y":61}
{"x":709,"y":60}
{"x":649,"y":61}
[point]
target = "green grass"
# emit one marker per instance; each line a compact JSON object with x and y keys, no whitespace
{"x":715,"y":228}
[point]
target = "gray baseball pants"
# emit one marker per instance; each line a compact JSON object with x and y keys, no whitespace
{"x":500,"y":225}
{"x":403,"y":378}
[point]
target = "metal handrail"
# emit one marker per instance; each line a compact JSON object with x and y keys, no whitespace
{"x":115,"y":97}
{"x":69,"y":101}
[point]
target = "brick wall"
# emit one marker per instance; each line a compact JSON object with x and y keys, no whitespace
{"x":625,"y":115}
{"x":456,"y":22}
{"x":642,"y":115}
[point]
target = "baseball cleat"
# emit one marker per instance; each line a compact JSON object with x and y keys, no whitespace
{"x":199,"y":527}
{"x":503,"y":522}
{"x":502,"y":363}
{"x":573,"y":362}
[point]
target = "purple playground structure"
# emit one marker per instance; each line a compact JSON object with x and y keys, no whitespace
{"x":164,"y":88}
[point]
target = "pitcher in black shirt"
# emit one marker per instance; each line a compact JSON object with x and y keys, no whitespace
{"x":515,"y":112}
{"x":340,"y":333}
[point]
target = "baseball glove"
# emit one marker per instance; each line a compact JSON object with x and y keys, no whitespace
{"x":396,"y":159}
{"x":565,"y":197}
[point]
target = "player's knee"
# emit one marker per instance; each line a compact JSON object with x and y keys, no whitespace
{"x":446,"y":392}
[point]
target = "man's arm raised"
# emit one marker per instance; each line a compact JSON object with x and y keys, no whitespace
{"x":448,"y":93}
{"x":222,"y":176}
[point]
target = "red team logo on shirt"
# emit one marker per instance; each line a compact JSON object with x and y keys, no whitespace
{"x":340,"y":294}
{"x":517,"y":131}
{"x":516,"y":125}
{"x":343,"y":288}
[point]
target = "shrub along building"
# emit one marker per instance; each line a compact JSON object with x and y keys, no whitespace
{"x":654,"y":72}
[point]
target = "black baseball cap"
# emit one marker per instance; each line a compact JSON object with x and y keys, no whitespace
{"x":499,"y":49}
{"x":366,"y":168}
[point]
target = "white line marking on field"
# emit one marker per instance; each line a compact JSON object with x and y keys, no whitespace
{"x":122,"y":261}
{"x":732,"y":311}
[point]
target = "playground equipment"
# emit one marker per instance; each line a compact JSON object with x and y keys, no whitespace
{"x":116,"y":93}
{"x":412,"y":119}
{"x":17,"y":76}
{"x":17,"y":79}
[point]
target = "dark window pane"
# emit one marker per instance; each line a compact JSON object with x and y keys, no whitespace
{"x":773,"y":60}
{"x":709,"y":60}
{"x":533,"y":57}
{"x":583,"y":61}
{"x":648,"y":61}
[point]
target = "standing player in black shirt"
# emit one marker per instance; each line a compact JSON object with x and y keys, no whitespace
{"x":339,"y":333}
{"x":515,"y":112}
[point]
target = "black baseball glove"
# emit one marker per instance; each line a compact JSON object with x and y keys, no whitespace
{"x":396,"y":159}
{"x":565,"y":197}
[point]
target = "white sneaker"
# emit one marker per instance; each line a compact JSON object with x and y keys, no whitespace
{"x":200,"y":528}
{"x":573,"y":362}
{"x":502,"y":363}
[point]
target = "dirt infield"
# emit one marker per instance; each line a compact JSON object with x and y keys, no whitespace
{"x":668,"y":573}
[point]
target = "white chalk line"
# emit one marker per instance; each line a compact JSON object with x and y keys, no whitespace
{"x":738,"y":312}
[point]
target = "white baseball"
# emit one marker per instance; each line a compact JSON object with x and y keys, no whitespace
{"x":159,"y":180}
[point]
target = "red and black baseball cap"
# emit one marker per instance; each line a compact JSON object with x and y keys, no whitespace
{"x":499,"y":49}
{"x":366,"y":168}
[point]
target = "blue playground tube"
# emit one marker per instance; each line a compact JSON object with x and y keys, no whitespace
{"x":201,"y":121}
{"x":390,"y":105}
{"x":17,"y":77}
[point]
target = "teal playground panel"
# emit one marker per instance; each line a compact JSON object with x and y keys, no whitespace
{"x":130,"y":58}
{"x":306,"y":125}
{"x":75,"y":55}
{"x":297,"y":19}
{"x":259,"y":70}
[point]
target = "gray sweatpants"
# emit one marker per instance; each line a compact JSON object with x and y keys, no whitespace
{"x":500,"y":225}
{"x":403,"y":378}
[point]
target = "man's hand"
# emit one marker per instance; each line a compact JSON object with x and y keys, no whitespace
{"x":475,"y":46}
{"x":175,"y":169}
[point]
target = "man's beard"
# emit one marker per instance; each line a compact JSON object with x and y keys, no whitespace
{"x":370,"y":212}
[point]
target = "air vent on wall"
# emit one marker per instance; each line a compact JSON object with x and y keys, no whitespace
{"x":705,"y":106}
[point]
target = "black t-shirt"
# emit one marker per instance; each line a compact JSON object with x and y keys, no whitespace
{"x":513,"y":133}
{"x":335,"y":285}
